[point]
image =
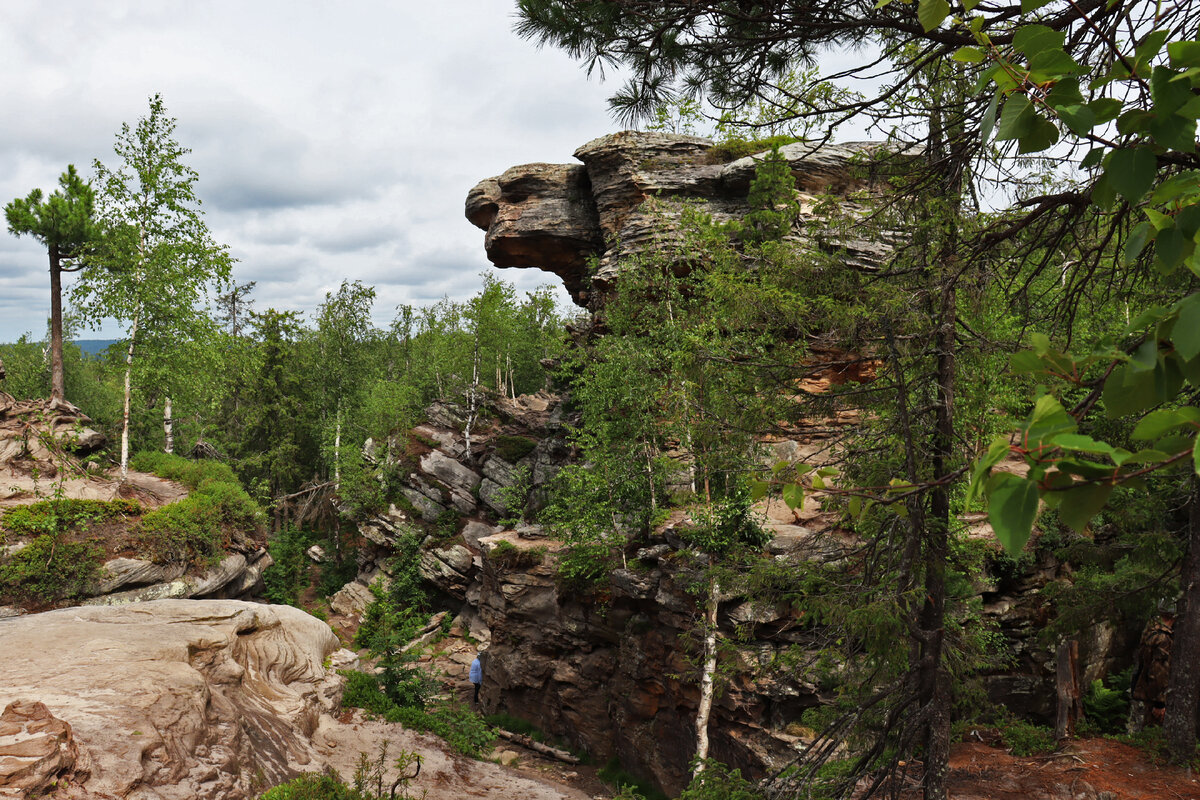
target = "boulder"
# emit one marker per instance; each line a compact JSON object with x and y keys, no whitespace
{"x":167,"y":699}
{"x":37,"y":751}
{"x":351,"y":600}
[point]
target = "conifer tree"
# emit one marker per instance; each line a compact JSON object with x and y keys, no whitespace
{"x":64,"y":222}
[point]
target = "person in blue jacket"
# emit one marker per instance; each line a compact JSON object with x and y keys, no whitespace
{"x":476,"y":677}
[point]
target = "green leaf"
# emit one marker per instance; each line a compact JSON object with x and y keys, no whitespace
{"x":1186,"y":333}
{"x":1033,"y":40}
{"x":1126,"y":392}
{"x":1156,"y":423}
{"x":1136,"y":242}
{"x":758,"y":490}
{"x":1079,"y":443}
{"x":932,"y":13}
{"x":997,"y":450}
{"x":1012,"y":508}
{"x":1106,"y":109}
{"x":969,"y":55}
{"x":793,"y":495}
{"x":1093,"y":158}
{"x":1032,"y":5}
{"x":855,"y":506}
{"x":1078,"y":118}
{"x":1042,"y":134}
{"x":1195,"y":457}
{"x":1132,"y":172}
{"x":1184,"y":54}
{"x":1145,"y":357}
{"x":1170,"y":248}
{"x":1151,"y":45}
{"x":1017,"y":119}
{"x":1026,"y":361}
{"x":1053,"y":64}
{"x":989,"y":118}
{"x":1081,"y":503}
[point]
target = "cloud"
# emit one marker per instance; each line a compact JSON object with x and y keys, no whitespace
{"x":332,"y":141}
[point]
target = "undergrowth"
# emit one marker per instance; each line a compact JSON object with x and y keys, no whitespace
{"x":198,"y":528}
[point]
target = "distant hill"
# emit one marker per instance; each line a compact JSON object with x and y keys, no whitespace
{"x":93,"y":347}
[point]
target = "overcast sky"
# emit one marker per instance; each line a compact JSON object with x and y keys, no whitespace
{"x":334,"y":140}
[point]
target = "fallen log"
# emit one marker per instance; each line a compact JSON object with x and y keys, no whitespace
{"x":537,"y":747}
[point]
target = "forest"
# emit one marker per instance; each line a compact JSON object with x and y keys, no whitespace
{"x":1022,"y":350}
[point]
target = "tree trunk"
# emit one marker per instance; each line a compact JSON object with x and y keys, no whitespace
{"x":1070,"y":702}
{"x":128,"y":396}
{"x":337,"y":449}
{"x":1183,"y":688}
{"x":704,"y":709}
{"x":57,"y":391}
{"x":168,"y":427}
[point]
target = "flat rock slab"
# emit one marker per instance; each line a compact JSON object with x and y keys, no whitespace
{"x":444,"y":775}
{"x":175,"y":698}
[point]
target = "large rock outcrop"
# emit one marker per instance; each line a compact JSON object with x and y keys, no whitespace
{"x":165,"y":699}
{"x":579,"y":222}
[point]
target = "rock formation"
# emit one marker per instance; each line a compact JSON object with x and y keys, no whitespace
{"x":184,"y":699}
{"x":562,"y":218}
{"x":169,"y":699}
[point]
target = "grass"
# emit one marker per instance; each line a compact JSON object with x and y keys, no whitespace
{"x":198,"y":528}
{"x":460,"y":727}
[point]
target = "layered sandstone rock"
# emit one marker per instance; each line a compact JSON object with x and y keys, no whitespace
{"x":580,"y":222}
{"x":165,"y":699}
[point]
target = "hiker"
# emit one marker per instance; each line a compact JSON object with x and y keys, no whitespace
{"x":476,"y":677}
{"x":1152,"y":669}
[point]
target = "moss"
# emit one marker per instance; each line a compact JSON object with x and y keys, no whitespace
{"x":509,"y":556}
{"x":734,"y":149}
{"x":513,"y":448}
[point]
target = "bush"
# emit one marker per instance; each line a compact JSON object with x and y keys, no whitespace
{"x":628,"y":786}
{"x":462,"y":728}
{"x":719,"y":782}
{"x":61,"y":515}
{"x":1026,"y":739}
{"x":314,"y":786}
{"x":508,"y":556}
{"x":49,"y":569}
{"x":734,"y":149}
{"x":287,"y":577}
{"x":513,"y":448}
{"x":195,"y":529}
{"x":1105,"y":709}
{"x":584,"y":567}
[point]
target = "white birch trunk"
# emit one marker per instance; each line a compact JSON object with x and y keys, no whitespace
{"x":337,"y":451}
{"x":704,"y":710}
{"x":471,"y":397}
{"x":168,"y":428}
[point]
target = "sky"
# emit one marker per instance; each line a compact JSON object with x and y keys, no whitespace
{"x":334,"y":141}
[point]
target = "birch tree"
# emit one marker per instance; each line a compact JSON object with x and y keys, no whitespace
{"x":158,"y":260}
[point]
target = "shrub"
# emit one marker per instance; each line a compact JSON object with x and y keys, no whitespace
{"x":462,"y":728}
{"x":719,"y":782}
{"x":628,"y":786}
{"x":194,"y":530}
{"x":1026,"y":739}
{"x":314,"y":786}
{"x":49,"y":569}
{"x":584,"y":567}
{"x":1107,"y":709}
{"x":60,"y":515}
{"x":733,"y":149}
{"x":513,"y":448}
{"x":287,"y":577}
{"x":508,"y":556}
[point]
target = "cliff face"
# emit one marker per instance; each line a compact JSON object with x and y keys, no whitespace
{"x":579,"y":221}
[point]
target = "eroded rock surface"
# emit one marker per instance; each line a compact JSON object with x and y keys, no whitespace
{"x":579,"y":222}
{"x":171,"y":698}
